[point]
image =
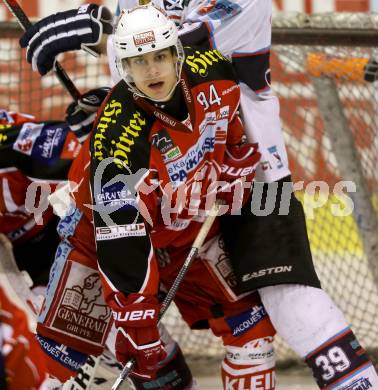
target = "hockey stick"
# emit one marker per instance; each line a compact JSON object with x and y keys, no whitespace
{"x":25,"y":23}
{"x":201,"y":236}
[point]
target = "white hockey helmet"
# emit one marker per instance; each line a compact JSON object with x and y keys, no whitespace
{"x":144,"y":29}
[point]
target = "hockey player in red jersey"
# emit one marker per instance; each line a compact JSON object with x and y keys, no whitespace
{"x":299,"y":309}
{"x":155,"y":133}
{"x":35,"y":158}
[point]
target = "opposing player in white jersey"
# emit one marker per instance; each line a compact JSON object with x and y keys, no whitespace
{"x":272,"y":253}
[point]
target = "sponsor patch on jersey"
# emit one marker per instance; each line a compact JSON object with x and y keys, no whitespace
{"x":359,"y":384}
{"x":163,"y":142}
{"x":79,"y":308}
{"x":71,"y":147}
{"x":50,"y":142}
{"x":56,"y":271}
{"x":214,"y":116}
{"x":179,"y":169}
{"x":172,"y":154}
{"x":116,"y":195}
{"x":219,"y":10}
{"x":243,"y":322}
{"x":66,"y":356}
{"x":115,"y":232}
{"x":27,"y":137}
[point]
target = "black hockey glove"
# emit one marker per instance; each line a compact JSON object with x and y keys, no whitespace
{"x":80,"y":115}
{"x":75,"y":29}
{"x":371,"y":71}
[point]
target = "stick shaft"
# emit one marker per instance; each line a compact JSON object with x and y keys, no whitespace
{"x":25,"y":23}
{"x":198,"y":242}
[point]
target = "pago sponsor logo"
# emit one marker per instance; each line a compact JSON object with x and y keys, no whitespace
{"x":50,"y":141}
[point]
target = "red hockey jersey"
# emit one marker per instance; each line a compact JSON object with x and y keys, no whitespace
{"x":145,"y":166}
{"x":31,"y":153}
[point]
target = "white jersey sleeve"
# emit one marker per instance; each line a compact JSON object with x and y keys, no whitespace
{"x":241,"y":30}
{"x":235,"y":26}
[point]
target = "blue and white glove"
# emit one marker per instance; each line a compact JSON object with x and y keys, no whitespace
{"x":75,"y":29}
{"x":80,"y":115}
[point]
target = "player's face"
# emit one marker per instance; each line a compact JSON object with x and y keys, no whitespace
{"x":154,"y":73}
